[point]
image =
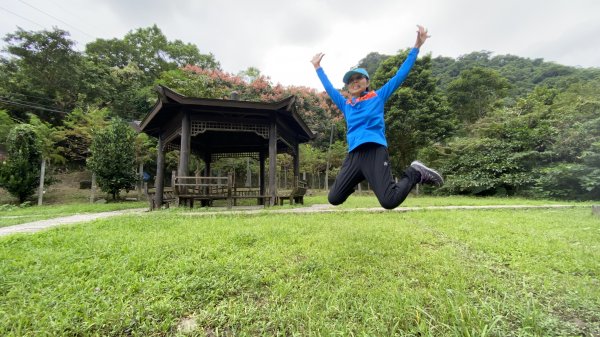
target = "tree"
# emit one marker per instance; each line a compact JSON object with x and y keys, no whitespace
{"x":130,"y":98}
{"x":6,"y":124}
{"x":45,"y":70}
{"x":145,"y":148}
{"x":249,"y":75}
{"x":416,"y":114}
{"x":150,"y":51}
{"x":372,"y":61}
{"x":78,"y":130}
{"x":313,"y":161}
{"x":48,"y":137}
{"x":544,"y":146}
{"x":113,"y":158}
{"x":20,"y":173}
{"x":476,"y":92}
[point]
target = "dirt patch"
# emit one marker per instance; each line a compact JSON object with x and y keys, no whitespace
{"x":187,"y":325}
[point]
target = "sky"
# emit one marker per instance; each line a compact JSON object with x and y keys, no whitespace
{"x":280,"y":37}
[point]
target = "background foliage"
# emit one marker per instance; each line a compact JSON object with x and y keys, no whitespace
{"x":492,"y":124}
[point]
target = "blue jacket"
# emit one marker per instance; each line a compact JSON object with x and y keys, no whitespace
{"x":364,"y":115}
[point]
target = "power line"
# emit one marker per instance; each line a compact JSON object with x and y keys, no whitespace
{"x":67,"y":11}
{"x":13,"y":99}
{"x":55,"y":18}
{"x":16,"y":101}
{"x":32,"y":106}
{"x":22,"y":17}
{"x":10,"y":94}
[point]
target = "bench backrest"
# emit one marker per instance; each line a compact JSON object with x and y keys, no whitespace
{"x":202,"y":185}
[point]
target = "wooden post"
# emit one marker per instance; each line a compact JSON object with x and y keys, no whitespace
{"x":159,"y":180}
{"x":596,"y":210}
{"x":184,"y":150}
{"x":207,"y":173}
{"x":207,"y":162}
{"x":296,"y":165}
{"x":261,"y":175}
{"x":273,"y":161}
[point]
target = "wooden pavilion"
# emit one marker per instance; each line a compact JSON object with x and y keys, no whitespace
{"x":222,"y":128}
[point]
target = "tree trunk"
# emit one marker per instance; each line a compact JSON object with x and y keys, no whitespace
{"x":42,"y":178}
{"x":328,"y":159}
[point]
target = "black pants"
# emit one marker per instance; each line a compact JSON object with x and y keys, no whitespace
{"x":370,"y":161}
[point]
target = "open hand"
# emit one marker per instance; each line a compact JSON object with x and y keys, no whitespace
{"x":316,"y":60}
{"x":422,"y":35}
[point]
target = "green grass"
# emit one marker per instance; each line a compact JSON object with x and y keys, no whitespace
{"x":13,"y":215}
{"x":426,"y":273}
{"x":367,"y":200}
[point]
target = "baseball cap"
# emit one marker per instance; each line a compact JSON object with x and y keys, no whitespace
{"x":349,"y":74}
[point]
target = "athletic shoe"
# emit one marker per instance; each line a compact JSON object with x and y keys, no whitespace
{"x":428,"y":176}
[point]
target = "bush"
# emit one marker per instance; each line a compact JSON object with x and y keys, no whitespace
{"x":113,"y":158}
{"x":20,"y":173}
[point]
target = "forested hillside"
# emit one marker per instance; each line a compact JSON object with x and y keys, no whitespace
{"x":506,"y":125}
{"x":492,"y":124}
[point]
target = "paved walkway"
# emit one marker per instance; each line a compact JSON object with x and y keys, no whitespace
{"x":36,"y":226}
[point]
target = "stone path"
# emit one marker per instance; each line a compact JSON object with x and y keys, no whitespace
{"x":318,"y":208}
{"x":35,"y":226}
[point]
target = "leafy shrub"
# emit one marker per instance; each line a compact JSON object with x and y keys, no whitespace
{"x":20,"y":173}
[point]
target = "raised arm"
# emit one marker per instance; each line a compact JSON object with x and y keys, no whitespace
{"x":335,"y":95}
{"x":388,"y":89}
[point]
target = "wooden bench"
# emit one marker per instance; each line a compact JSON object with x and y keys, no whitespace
{"x":295,"y":196}
{"x":250,"y":193}
{"x":168,"y":197}
{"x":205,"y":189}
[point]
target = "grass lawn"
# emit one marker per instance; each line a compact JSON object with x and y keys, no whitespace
{"x":426,"y":273}
{"x":368,"y":200}
{"x":13,"y":215}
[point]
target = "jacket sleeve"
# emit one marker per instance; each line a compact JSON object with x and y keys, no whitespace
{"x":336,"y":97}
{"x":388,"y":89}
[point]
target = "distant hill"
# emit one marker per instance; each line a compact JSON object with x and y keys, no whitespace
{"x":523,"y":73}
